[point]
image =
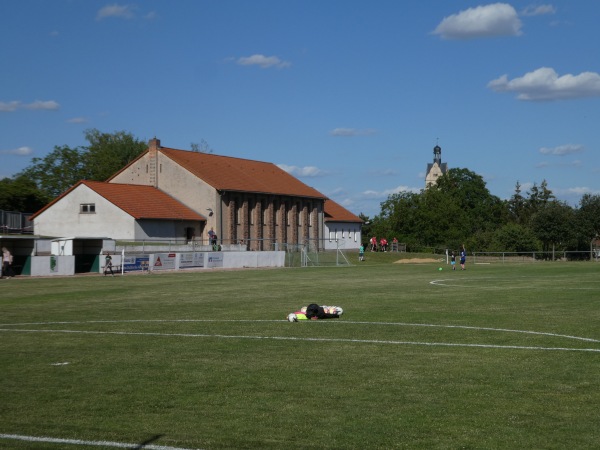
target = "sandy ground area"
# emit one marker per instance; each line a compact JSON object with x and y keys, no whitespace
{"x":416,"y":261}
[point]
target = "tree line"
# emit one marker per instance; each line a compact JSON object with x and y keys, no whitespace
{"x":48,"y":177}
{"x":459,"y":210}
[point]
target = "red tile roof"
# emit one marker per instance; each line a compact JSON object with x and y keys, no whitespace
{"x":334,"y":212}
{"x":226,"y":173}
{"x":140,"y":202}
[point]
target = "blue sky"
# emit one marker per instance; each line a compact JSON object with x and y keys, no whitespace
{"x":349,"y":96}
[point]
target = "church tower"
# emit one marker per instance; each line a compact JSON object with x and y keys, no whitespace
{"x":435,"y":169}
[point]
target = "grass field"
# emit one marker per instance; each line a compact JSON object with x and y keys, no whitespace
{"x":495,"y":357}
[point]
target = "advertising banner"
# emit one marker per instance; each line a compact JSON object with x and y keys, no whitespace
{"x":163,"y":261}
{"x":135,"y":262}
{"x":215,"y":260}
{"x":194,"y":259}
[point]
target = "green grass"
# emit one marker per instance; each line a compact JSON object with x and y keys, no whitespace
{"x":207,"y":360}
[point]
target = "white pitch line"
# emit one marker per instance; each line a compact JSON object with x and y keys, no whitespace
{"x":458,"y":282}
{"x":330,"y":322}
{"x":289,"y":338}
{"x":19,"y":437}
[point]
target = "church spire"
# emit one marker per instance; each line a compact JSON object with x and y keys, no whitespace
{"x":435,"y":169}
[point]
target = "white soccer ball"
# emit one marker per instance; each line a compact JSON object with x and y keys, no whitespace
{"x":292,"y":317}
{"x":339,"y":311}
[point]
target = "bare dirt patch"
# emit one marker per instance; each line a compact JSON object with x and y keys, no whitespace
{"x":416,"y":261}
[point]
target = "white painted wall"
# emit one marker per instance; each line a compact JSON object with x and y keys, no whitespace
{"x":43,"y":266}
{"x":64,"y":217}
{"x":345,"y":235}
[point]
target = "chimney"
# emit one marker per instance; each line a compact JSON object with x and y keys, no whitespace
{"x":153,"y":146}
{"x":152,"y":167}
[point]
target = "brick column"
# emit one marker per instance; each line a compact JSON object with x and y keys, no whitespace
{"x":231,"y":220}
{"x":270,"y":223}
{"x":282,"y":235}
{"x":293,"y":227}
{"x":245,"y":221}
{"x":314,"y":229}
{"x":258,"y":225}
{"x":305,"y":228}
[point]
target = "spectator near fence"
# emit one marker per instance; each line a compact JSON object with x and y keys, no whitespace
{"x":373,"y":243}
{"x":7,"y":260}
{"x":212,"y":236}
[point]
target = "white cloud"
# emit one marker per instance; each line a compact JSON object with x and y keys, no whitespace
{"x":49,"y":105}
{"x":387,"y":192}
{"x":77,"y":120}
{"x":574,"y":191}
{"x":538,"y":10}
{"x":119,"y":11}
{"x":573,"y":164}
{"x":544,"y":84}
{"x":263,"y":61}
{"x":307,"y":171}
{"x":345,"y":132}
{"x":562,"y":149}
{"x":9,"y":106}
{"x":498,"y":19}
{"x":383,"y":172}
{"x":21,"y":151}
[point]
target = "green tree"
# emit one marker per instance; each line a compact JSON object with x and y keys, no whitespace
{"x":553,"y":225}
{"x":21,"y":194}
{"x":516,"y":206}
{"x":439,"y":218}
{"x":64,"y":166}
{"x":480,"y":211}
{"x":537,"y":198}
{"x":398,"y":213}
{"x":57,"y":171}
{"x":457,"y":210}
{"x":588,"y":218}
{"x":108,"y":153}
{"x":513,"y":237}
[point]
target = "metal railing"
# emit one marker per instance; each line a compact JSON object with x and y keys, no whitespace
{"x":534,"y":256}
{"x":13,"y":222}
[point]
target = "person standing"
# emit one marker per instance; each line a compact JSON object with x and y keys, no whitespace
{"x":453,"y":260}
{"x":212,"y":236}
{"x":463,"y":257}
{"x":108,"y":265}
{"x":361,"y":253}
{"x":7,"y":260}
{"x":373,"y":242}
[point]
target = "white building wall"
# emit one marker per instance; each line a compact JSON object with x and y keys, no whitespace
{"x":65,"y":219}
{"x":343,"y":235}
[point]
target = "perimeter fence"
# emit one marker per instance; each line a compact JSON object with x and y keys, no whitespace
{"x":532,"y":257}
{"x":312,"y":252}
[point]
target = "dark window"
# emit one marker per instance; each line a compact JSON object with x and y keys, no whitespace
{"x":87,"y":208}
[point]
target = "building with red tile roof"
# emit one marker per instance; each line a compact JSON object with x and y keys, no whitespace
{"x":247,"y":201}
{"x":170,"y":193}
{"x":93,"y":208}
